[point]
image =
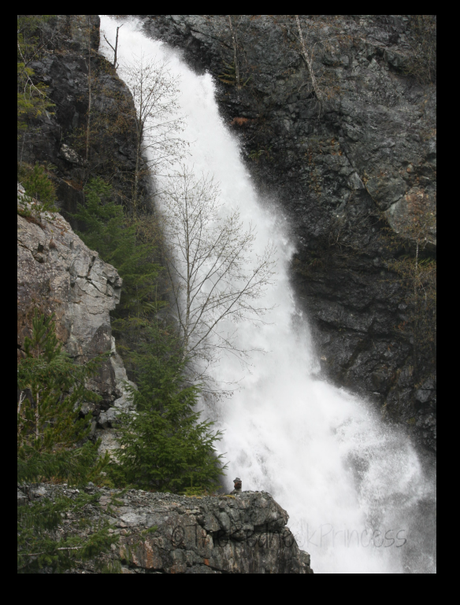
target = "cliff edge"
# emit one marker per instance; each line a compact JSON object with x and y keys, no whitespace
{"x":172,"y":534}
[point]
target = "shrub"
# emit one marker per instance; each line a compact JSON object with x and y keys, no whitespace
{"x":40,"y":193}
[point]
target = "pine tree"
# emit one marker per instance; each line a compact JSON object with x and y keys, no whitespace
{"x":129,"y":244}
{"x":40,"y":192}
{"x":50,"y":426}
{"x":164,"y":445}
{"x":124,"y":243}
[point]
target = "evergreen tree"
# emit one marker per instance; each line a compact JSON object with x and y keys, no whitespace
{"x":50,"y":426}
{"x":164,"y":445}
{"x":129,"y":244}
{"x":39,"y":189}
{"x":122,"y":242}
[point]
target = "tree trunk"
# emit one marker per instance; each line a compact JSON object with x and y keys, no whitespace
{"x":235,"y":57}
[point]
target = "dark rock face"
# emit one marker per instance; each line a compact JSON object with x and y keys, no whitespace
{"x":347,"y":172}
{"x":210,"y":534}
{"x":90,"y":130}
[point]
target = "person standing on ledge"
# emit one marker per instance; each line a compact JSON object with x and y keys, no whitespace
{"x":237,"y":487}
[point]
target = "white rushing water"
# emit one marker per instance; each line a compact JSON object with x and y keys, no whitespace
{"x":355,"y":490}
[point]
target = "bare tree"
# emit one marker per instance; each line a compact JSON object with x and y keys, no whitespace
{"x":307,"y":36}
{"x":212,"y":276}
{"x":114,"y":48}
{"x":88,"y":113}
{"x":157,"y":123}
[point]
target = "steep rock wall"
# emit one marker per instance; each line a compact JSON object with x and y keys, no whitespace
{"x":90,"y":130}
{"x":58,"y":273}
{"x":348,"y":172}
{"x":247,"y":533}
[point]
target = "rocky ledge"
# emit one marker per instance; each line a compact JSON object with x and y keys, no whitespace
{"x":210,"y":534}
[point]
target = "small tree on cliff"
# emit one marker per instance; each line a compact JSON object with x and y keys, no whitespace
{"x":114,"y":48}
{"x":40,"y":192}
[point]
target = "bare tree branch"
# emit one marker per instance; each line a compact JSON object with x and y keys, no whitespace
{"x":214,"y":272}
{"x":158,"y":124}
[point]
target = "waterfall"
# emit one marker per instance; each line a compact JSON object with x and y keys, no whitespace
{"x":360,"y":499}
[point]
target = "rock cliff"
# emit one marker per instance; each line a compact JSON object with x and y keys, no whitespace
{"x":210,"y":534}
{"x":57,"y":273}
{"x":90,"y":130}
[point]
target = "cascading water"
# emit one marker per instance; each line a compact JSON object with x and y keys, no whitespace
{"x":358,"y":495}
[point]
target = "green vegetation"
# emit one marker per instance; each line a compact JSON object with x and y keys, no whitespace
{"x":131,"y":245}
{"x":53,"y":446}
{"x":52,"y":389}
{"x":231,"y":76}
{"x":125,"y":243}
{"x":32,"y":98}
{"x":40,"y":193}
{"x":164,"y":446}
